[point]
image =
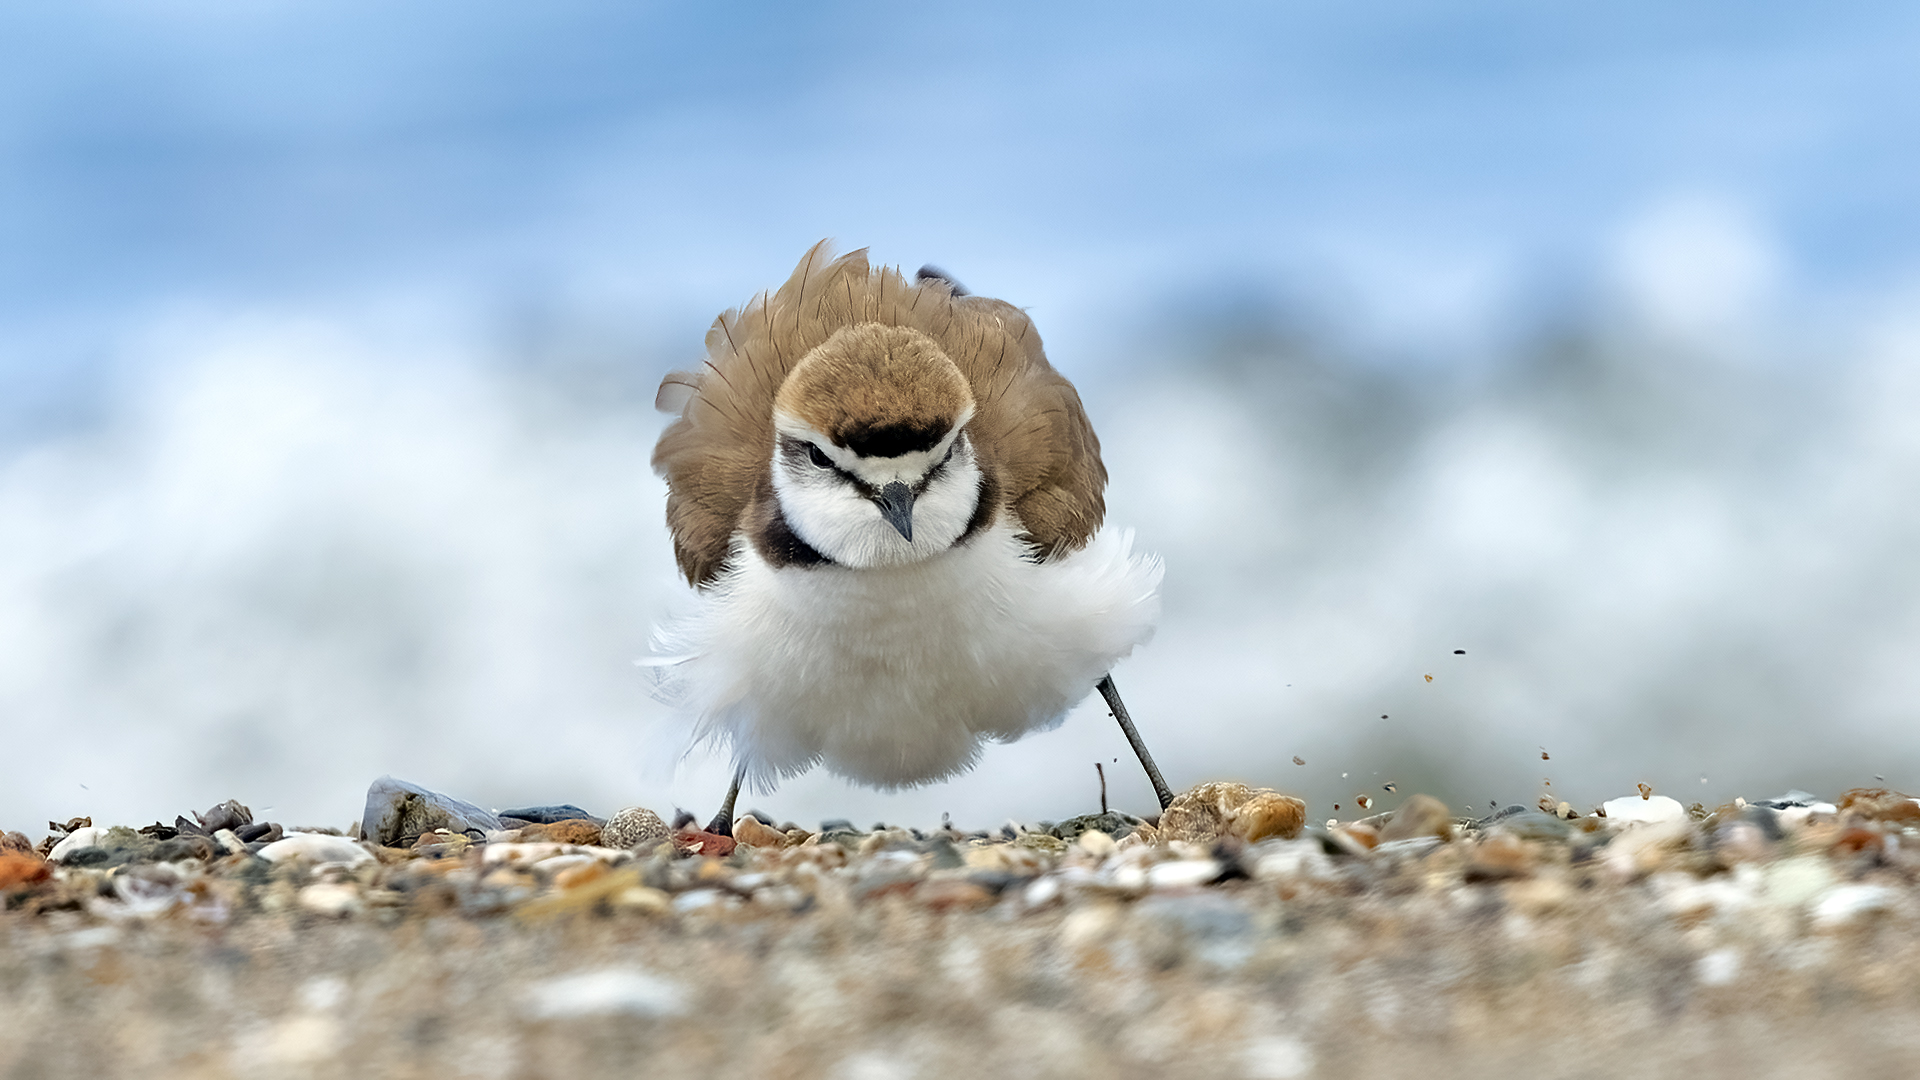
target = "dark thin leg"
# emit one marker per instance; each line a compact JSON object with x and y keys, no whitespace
{"x":722,"y":823}
{"x":1112,"y":693}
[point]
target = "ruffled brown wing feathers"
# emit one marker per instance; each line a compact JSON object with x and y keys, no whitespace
{"x":1029,"y":429}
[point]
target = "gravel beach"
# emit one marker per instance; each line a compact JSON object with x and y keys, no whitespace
{"x":1776,"y":938}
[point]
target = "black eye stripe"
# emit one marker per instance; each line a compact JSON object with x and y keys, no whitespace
{"x":794,"y":450}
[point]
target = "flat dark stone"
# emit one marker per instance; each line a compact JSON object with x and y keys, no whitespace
{"x":547,"y":815}
{"x":88,"y":856}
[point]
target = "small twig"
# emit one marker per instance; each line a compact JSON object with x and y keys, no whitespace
{"x":1103,"y":788}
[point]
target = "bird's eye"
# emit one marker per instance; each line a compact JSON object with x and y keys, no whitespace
{"x":819,"y":456}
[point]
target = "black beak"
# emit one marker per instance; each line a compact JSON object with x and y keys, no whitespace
{"x":896,"y":505}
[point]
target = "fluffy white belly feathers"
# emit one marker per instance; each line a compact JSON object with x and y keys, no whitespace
{"x":890,"y":504}
{"x":897,"y":675}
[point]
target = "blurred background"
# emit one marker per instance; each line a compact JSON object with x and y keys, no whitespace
{"x":1580,"y":339}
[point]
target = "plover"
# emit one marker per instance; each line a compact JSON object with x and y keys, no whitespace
{"x":890,"y":506}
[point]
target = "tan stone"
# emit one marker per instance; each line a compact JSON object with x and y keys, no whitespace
{"x":945,"y":894}
{"x":572,"y":831}
{"x":17,"y":869}
{"x":1420,"y":815}
{"x":752,"y":832}
{"x":1499,"y":857}
{"x":1208,"y":812}
{"x":1266,"y":815}
{"x":1357,"y":836}
{"x":1880,"y":804}
{"x":575,"y":876}
{"x":439,"y":842}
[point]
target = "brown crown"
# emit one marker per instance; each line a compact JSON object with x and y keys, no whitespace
{"x":880,"y":391}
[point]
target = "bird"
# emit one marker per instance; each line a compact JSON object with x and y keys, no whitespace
{"x":889,"y":506}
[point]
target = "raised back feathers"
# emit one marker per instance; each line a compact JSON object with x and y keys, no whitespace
{"x":1029,"y":430}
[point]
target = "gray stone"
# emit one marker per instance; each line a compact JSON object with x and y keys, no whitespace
{"x":398,"y":812}
{"x":1114,"y":823}
{"x":633,"y":828}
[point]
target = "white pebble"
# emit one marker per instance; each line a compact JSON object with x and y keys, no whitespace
{"x":874,"y":1065}
{"x":1276,"y":1057}
{"x":317,"y":848}
{"x":331,"y":898}
{"x":607,"y":993}
{"x":1183,"y":873}
{"x":1718,"y":968}
{"x":1795,"y":881}
{"x":521,"y":854}
{"x":553,"y":865}
{"x":1842,"y":903}
{"x":697,"y":900}
{"x":1096,"y":843}
{"x":1043,"y":891}
{"x":90,"y":836}
{"x":1633,"y":809}
{"x":93,"y":937}
{"x":323,"y":993}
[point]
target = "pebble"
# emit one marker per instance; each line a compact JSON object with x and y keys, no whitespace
{"x":1096,"y":843}
{"x":317,"y":848}
{"x":1634,"y":810}
{"x":570,"y":831}
{"x":750,"y":831}
{"x":1420,"y":816}
{"x":1183,"y":873}
{"x":1793,"y":882}
{"x":1845,"y":903}
{"x":1879,"y":804}
{"x":397,"y":812}
{"x":1277,"y":1057}
{"x":613,"y":992}
{"x":336,"y":899}
{"x":440,"y":843}
{"x":697,"y":842}
{"x":634,"y":828}
{"x":84,"y":837}
{"x":1113,"y":823}
{"x":1208,"y":812}
{"x":19,"y":869}
{"x":547,"y":815}
{"x":1719,"y":967}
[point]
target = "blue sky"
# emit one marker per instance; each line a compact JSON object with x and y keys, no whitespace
{"x":1422,"y":163}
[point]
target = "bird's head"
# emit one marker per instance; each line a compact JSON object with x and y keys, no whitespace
{"x":871,"y":460}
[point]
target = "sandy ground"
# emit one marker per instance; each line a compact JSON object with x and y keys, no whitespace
{"x":1751,"y":943}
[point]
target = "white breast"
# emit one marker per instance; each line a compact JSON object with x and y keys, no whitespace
{"x":897,"y":675}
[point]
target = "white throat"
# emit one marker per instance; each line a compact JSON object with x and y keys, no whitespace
{"x":826,"y":507}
